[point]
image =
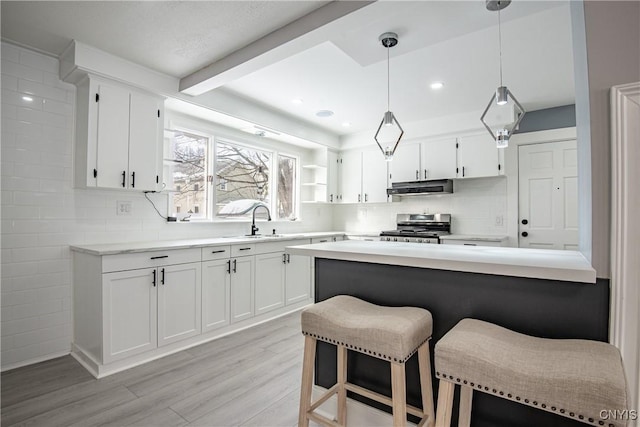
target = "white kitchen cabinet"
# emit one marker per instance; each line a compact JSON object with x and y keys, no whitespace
{"x":179,"y":302}
{"x":351,"y":176}
{"x":130,"y":312}
{"x":242,"y":288}
{"x":269,"y":286}
{"x":374,"y":177}
{"x":297,"y":278}
{"x":118,"y":136}
{"x":405,"y":165}
{"x":332,"y":177}
{"x":478,"y":157}
{"x":363,"y":177}
{"x":216,"y":297}
{"x":438,"y":159}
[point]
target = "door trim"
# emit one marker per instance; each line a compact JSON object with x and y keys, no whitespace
{"x":625,"y":295}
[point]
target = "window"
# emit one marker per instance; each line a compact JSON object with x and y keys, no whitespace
{"x":286,"y":186}
{"x":245,"y":173}
{"x":209,"y":177}
{"x":186,"y":172}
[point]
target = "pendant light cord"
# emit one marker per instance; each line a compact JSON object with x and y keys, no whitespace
{"x":500,"y":44}
{"x":388,"y":78}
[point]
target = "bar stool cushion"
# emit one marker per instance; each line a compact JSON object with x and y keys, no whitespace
{"x":571,"y":377}
{"x":390,"y":333}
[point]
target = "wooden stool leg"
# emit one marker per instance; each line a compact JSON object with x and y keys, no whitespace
{"x":426,"y":388}
{"x":445,"y":403}
{"x":307,"y":380}
{"x":464,"y":415}
{"x":342,"y":379}
{"x":398,"y":394}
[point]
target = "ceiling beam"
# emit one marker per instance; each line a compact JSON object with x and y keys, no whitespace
{"x":273,"y":47}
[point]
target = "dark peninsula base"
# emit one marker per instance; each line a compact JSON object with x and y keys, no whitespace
{"x":543,"y":308}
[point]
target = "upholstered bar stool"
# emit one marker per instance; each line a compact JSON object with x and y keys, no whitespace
{"x":573,"y":378}
{"x":389,"y":333}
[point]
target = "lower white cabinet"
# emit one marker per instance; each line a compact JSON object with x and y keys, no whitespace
{"x":179,"y":302}
{"x":270,"y":271}
{"x":130,"y":311}
{"x":216,"y":294}
{"x":297,"y":278}
{"x":242,"y":283}
{"x":130,"y":307}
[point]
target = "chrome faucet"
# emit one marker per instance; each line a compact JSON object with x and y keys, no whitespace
{"x":253,"y":221}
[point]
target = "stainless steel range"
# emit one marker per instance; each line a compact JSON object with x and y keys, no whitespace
{"x":419,"y":228}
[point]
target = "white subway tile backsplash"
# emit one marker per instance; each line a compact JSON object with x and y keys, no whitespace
{"x":40,"y":89}
{"x":41,"y":62}
{"x":32,"y":198}
{"x":10,"y":52}
{"x":19,"y":184}
{"x":9,"y":82}
{"x":11,"y":68}
{"x":19,"y":326}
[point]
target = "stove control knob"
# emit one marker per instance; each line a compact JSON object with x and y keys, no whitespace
{"x":406,"y":239}
{"x":395,"y":239}
{"x":419,"y":240}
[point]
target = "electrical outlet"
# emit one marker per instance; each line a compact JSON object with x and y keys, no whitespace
{"x":124,"y":208}
{"x":499,"y":220}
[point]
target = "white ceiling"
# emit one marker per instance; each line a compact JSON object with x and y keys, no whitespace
{"x":450,"y":41}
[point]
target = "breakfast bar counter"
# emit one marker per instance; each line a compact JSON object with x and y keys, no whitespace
{"x":542,"y":293}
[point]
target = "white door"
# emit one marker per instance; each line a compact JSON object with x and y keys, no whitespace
{"x":298,"y":278}
{"x":129,"y":307}
{"x":269,"y":282}
{"x":242,"y":281}
{"x":478,"y":156}
{"x":351,"y":176}
{"x":112,"y":158}
{"x":548,"y":195}
{"x":179,"y":302}
{"x":374,"y":177}
{"x":216,"y":285}
{"x":405,"y":165}
{"x":439,"y":159}
{"x":144,"y":142}
{"x":332,"y":177}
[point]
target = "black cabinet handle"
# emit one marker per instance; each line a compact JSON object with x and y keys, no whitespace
{"x":133,"y":180}
{"x":154,"y":278}
{"x":366,"y":197}
{"x":234,"y":266}
{"x":244,"y":249}
{"x":425,"y":174}
{"x":524,"y":234}
{"x":525,"y":222}
{"x":469,"y":244}
{"x":124,"y":177}
{"x":359,"y":198}
{"x":417,"y":175}
{"x":288,"y":258}
{"x":284,"y":258}
{"x":331,"y":198}
{"x":324,"y":240}
{"x":160,"y":257}
{"x":463,"y":171}
{"x":229,"y":266}
{"x":218,"y":252}
{"x":162,"y":279}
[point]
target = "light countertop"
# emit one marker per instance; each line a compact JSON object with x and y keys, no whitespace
{"x":569,"y":266}
{"x":132,"y":247}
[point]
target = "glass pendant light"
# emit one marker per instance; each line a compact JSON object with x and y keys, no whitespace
{"x":502,"y":94}
{"x":387,"y":136}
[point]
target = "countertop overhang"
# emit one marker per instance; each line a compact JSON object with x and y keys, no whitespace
{"x":570,"y":266}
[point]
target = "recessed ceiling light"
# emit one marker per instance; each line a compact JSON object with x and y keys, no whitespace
{"x":437,"y":85}
{"x":324,"y":113}
{"x":297,"y":101}
{"x":27,"y":98}
{"x":346,"y":124}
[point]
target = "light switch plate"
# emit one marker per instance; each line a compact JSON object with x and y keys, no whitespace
{"x":124,"y":207}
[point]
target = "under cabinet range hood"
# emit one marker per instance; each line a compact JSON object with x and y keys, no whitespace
{"x":415,"y":188}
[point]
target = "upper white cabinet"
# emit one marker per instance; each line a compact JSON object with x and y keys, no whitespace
{"x":363,"y":177}
{"x":118,"y":136}
{"x":470,"y":156}
{"x":478,"y":157}
{"x":405,"y":165}
{"x":439,"y":159}
{"x":332,"y":176}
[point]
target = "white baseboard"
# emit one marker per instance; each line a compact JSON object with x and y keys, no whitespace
{"x":33,"y":361}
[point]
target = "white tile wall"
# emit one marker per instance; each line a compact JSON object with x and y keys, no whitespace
{"x":474,"y":206}
{"x":42,"y":214}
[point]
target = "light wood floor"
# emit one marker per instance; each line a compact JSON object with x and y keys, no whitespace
{"x":251,"y":378}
